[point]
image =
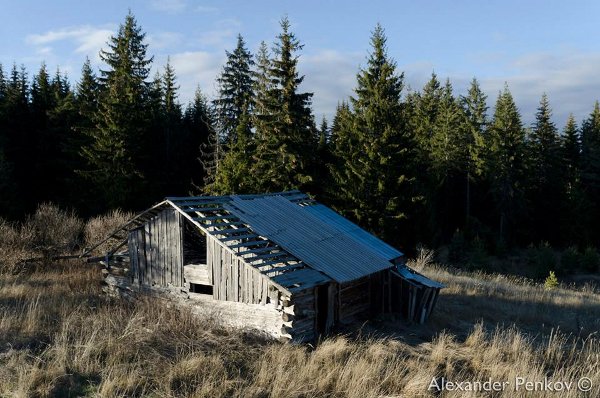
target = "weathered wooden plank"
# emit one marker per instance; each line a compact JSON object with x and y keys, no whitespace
{"x":238,"y":237}
{"x":259,"y":250}
{"x":242,"y":281}
{"x":202,"y":209}
{"x":146,"y":271}
{"x":223,"y":217}
{"x":275,"y":270}
{"x":180,"y":222}
{"x":153,"y":245}
{"x":236,"y":285}
{"x":249,"y":243}
{"x":141,"y":253}
{"x":164,"y":246}
{"x":266,"y":256}
{"x":160,"y":250}
{"x":227,"y":269}
{"x":131,"y":249}
{"x":196,"y":273}
{"x":267,"y":263}
{"x":225,"y":224}
{"x":228,"y":231}
{"x":156,"y":264}
{"x":265,"y":292}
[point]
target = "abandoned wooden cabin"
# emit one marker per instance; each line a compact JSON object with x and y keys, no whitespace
{"x":281,"y":262}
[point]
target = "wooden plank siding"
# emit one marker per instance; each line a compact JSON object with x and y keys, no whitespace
{"x":156,"y":250}
{"x":233,"y":279}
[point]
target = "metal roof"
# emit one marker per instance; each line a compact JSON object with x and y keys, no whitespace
{"x":414,"y":276}
{"x":288,"y":237}
{"x":357,"y":233}
{"x":310,"y":236}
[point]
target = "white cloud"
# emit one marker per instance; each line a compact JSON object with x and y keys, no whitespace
{"x":170,"y":6}
{"x":221,"y":37}
{"x":193,"y":69}
{"x":164,"y":40}
{"x":569,"y":78}
{"x":331,"y":76}
{"x":88,"y":40}
{"x":206,"y":9}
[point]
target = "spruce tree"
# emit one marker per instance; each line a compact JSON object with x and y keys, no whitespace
{"x":17,"y":132}
{"x":424,"y":113}
{"x":172,"y":129}
{"x":590,"y":166}
{"x":571,"y":144}
{"x":286,"y":130}
{"x":375,"y":151}
{"x":232,"y":176}
{"x":7,"y":182}
{"x":506,"y":164}
{"x":200,"y":121}
{"x":590,"y":151}
{"x":546,"y":177}
{"x":235,"y":92}
{"x":475,"y":111}
{"x":63,"y":186}
{"x":576,"y":207}
{"x":262,"y":86}
{"x":86,"y":98}
{"x":448,"y":151}
{"x":119,"y":141}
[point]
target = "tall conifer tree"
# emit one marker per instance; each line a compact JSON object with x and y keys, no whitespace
{"x":476,"y":121}
{"x":546,"y":177}
{"x":235,"y":92}
{"x":285,"y":130}
{"x":119,"y":142}
{"x":375,"y":151}
{"x":506,"y":163}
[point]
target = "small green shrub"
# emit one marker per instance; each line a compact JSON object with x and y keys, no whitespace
{"x":551,"y":281}
{"x":590,"y":260}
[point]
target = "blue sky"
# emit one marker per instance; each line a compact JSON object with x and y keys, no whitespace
{"x":535,"y":46}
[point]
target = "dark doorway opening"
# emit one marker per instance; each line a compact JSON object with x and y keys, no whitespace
{"x":322,"y":308}
{"x":202,"y":289}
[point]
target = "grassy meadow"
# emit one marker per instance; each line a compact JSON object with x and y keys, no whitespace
{"x":61,"y":336}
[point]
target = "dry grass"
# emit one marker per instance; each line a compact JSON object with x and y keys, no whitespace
{"x":60,"y":336}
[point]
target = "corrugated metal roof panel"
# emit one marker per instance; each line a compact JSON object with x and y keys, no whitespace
{"x":360,"y":235}
{"x":411,"y":275}
{"x":320,"y":245}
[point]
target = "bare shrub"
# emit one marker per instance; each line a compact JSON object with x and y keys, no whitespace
{"x":16,"y":245}
{"x":53,"y":231}
{"x":99,"y":228}
{"x":13,"y":242}
{"x":423,"y":259}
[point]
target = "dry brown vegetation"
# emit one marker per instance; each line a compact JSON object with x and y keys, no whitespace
{"x":60,"y":336}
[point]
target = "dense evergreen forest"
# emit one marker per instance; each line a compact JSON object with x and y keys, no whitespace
{"x":424,"y":166}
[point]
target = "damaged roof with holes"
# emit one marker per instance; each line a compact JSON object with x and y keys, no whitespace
{"x":295,"y":241}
